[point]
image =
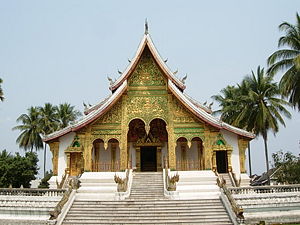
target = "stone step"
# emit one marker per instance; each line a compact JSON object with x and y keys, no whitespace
{"x":189,"y":220}
{"x":147,"y":205}
{"x":147,"y":213}
{"x":167,"y":201}
{"x":150,"y":217}
{"x":120,"y":208}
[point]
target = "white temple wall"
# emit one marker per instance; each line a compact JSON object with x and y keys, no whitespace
{"x":64,"y":142}
{"x":232,"y":139}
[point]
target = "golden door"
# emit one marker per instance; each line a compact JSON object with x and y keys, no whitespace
{"x":75,"y":164}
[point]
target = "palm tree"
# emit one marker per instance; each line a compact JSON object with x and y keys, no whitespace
{"x":66,"y":114}
{"x":1,"y":91}
{"x":30,"y":130}
{"x":288,"y":60}
{"x":259,"y":109}
{"x":264,"y":109}
{"x":48,"y":122}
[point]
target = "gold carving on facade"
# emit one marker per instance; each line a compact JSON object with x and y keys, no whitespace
{"x":112,"y":116}
{"x":219,"y":143}
{"x":243,"y":145}
{"x":147,"y":107}
{"x":54,"y":148}
{"x":75,"y":146}
{"x":146,"y":73}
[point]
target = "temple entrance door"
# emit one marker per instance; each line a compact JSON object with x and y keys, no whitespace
{"x":148,"y":159}
{"x":75,"y":164}
{"x":222,"y":165}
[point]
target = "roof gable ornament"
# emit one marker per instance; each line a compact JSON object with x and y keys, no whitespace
{"x":146,"y":27}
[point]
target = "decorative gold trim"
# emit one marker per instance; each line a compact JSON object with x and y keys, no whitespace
{"x":54,"y":148}
{"x":243,"y":145}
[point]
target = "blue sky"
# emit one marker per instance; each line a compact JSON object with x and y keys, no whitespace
{"x":63,"y":51}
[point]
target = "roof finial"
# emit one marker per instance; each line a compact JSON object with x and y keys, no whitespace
{"x":146,"y":26}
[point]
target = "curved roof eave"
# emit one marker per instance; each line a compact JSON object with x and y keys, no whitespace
{"x":92,"y":116}
{"x":146,"y":40}
{"x":206,"y":117}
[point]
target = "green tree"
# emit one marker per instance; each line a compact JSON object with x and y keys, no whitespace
{"x":41,"y":121}
{"x":288,"y":60}
{"x":66,"y":114}
{"x":30,"y":130}
{"x":287,"y":167}
{"x":17,"y":170}
{"x":258,"y":108}
{"x":48,"y":122}
{"x":1,"y":91}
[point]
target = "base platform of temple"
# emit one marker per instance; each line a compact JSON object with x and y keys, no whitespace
{"x":165,"y":197}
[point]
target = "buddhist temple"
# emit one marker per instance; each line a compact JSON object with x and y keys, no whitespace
{"x":149,"y":154}
{"x":148,"y":120}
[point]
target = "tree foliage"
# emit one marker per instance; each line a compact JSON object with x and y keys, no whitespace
{"x":40,"y":121}
{"x":288,"y":60}
{"x":254,"y":105}
{"x":66,"y":115}
{"x":288,"y":167}
{"x":17,"y":170}
{"x":31,"y":130}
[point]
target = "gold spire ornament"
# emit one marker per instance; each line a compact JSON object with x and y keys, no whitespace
{"x":146,"y":26}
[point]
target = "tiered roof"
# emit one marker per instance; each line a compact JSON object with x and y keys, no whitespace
{"x":175,"y":85}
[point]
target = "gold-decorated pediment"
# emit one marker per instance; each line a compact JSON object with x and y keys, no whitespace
{"x":75,"y":146}
{"x":220,"y":144}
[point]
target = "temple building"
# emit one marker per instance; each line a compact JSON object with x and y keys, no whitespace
{"x":146,"y":122}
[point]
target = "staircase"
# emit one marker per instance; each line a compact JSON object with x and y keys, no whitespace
{"x":147,"y":185}
{"x":227,"y":179}
{"x":147,"y":205}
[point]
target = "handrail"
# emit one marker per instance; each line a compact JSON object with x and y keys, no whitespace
{"x":186,"y":165}
{"x":31,"y":192}
{"x":170,"y":180}
{"x":265,"y":189}
{"x":105,"y":167}
{"x":122,"y":182}
{"x":74,"y":183}
{"x":237,"y":209}
{"x":233,"y":179}
{"x":63,"y":180}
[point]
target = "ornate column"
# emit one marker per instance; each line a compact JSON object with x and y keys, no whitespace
{"x":88,"y":146}
{"x":124,"y":132}
{"x":54,"y":148}
{"x":171,"y":139}
{"x":243,"y":144}
{"x":68,"y":169}
{"x":229,"y":160}
{"x":207,"y":151}
{"x":171,"y":148}
{"x":200,"y":155}
{"x":214,"y":161}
